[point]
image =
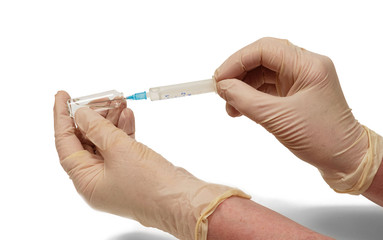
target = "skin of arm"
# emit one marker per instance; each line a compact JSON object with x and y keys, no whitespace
{"x":238,"y":218}
{"x":375,"y":191}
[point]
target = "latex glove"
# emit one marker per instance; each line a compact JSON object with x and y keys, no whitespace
{"x":116,"y":174}
{"x":295,"y":94}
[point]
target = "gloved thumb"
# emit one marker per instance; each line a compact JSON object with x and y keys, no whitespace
{"x":254,"y":104}
{"x":84,"y":165}
{"x":100,"y":131}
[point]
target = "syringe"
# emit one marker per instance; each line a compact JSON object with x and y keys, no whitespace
{"x":113,"y":99}
{"x":176,"y":90}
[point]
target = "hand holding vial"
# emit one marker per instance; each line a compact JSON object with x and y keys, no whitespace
{"x":116,"y":174}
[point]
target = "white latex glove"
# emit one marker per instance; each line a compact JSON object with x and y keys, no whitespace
{"x":116,"y":174}
{"x":295,"y":94}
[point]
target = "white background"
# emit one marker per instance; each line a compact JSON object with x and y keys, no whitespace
{"x":86,"y":47}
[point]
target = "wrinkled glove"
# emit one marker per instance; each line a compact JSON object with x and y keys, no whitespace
{"x":116,"y":174}
{"x":295,"y":94}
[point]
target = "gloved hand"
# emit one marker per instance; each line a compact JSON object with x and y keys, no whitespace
{"x":117,"y":174}
{"x":295,"y":94}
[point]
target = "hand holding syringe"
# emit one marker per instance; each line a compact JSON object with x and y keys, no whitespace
{"x":112,"y":99}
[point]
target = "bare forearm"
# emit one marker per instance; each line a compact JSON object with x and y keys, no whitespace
{"x":375,"y":191}
{"x":238,"y":218}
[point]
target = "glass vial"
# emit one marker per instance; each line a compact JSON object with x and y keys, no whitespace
{"x":98,"y":102}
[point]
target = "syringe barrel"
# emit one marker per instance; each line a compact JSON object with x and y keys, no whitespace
{"x":182,"y":90}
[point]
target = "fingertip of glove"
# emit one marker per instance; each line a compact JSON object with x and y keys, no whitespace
{"x":216,"y":74}
{"x":224,"y":86}
{"x":62,"y":94}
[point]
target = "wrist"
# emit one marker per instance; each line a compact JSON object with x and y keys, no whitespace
{"x":346,"y":160}
{"x":345,"y":151}
{"x":375,"y":191}
{"x":360,"y":178}
{"x":182,"y":204}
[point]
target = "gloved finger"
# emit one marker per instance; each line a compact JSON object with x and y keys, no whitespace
{"x":277,"y":55}
{"x":266,"y":88}
{"x":126,"y":122}
{"x":250,"y":102}
{"x":100,"y":131}
{"x":260,"y":76}
{"x":231,"y":111}
{"x":271,"y":53}
{"x":113,"y":115}
{"x":65,"y":137}
{"x":269,"y":89}
{"x":89,"y":147}
{"x":258,"y":79}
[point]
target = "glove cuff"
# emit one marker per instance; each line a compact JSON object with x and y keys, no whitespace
{"x":201,"y":228}
{"x":359,"y":181}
